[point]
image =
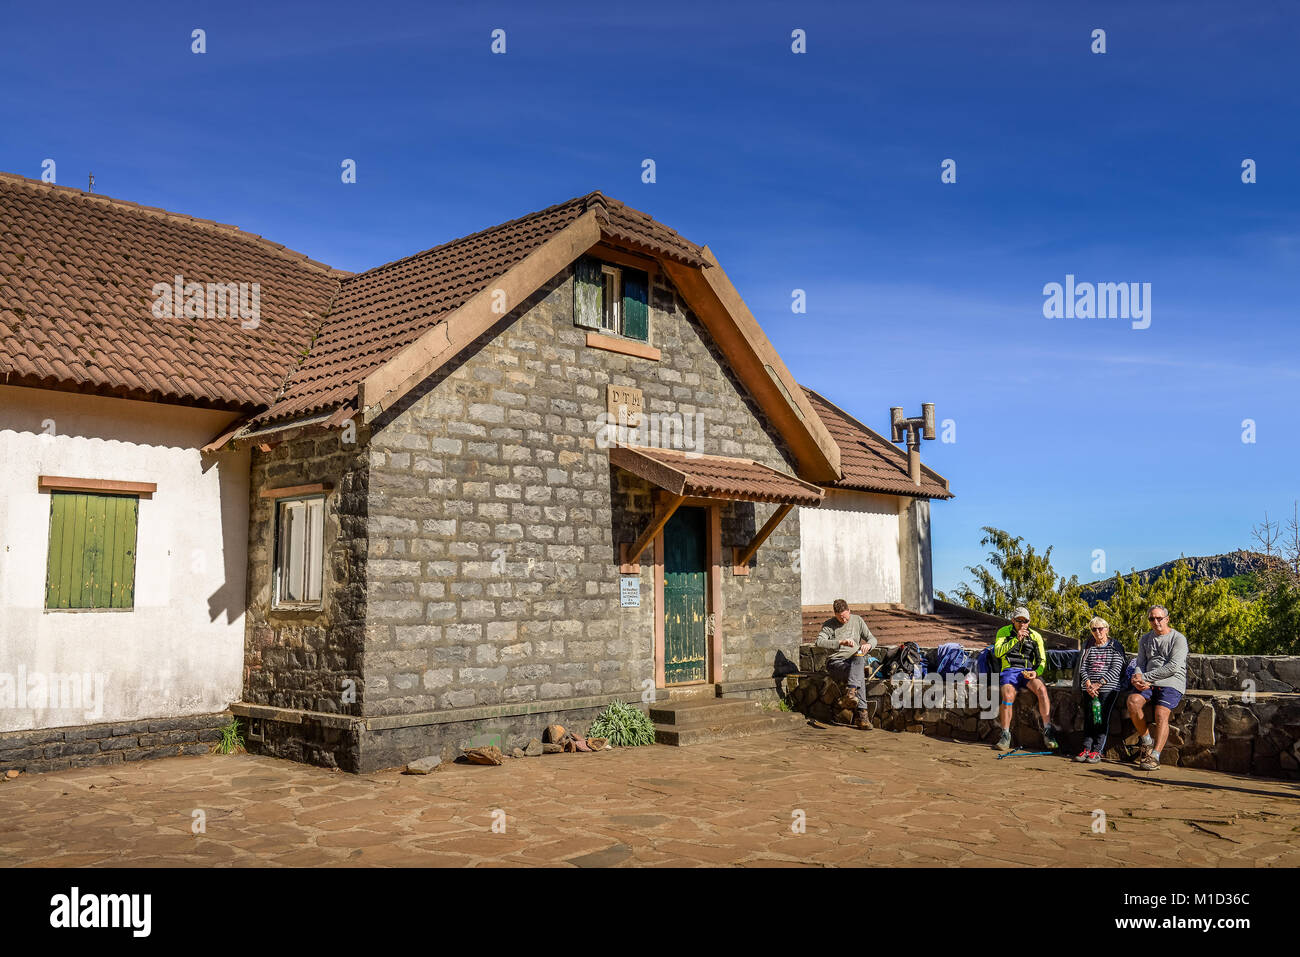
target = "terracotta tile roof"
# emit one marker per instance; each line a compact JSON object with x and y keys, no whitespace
{"x":893,"y":625}
{"x":870,"y":462}
{"x":714,"y":476}
{"x":382,"y":311}
{"x":77,"y":272}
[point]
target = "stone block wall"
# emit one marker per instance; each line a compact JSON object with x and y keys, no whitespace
{"x":310,"y":660}
{"x":1270,"y":673}
{"x":495,"y":519}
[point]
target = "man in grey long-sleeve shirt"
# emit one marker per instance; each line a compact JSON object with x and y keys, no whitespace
{"x":849,"y":639}
{"x":1161,"y":678}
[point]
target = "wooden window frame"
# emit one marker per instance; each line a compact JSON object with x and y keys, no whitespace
{"x":610,"y":330}
{"x":611,"y":320}
{"x":282,"y":562}
{"x":62,"y":483}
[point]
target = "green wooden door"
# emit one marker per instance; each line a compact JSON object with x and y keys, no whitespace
{"x":686,"y":640}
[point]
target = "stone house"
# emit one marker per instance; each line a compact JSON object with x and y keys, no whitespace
{"x":499,"y":483}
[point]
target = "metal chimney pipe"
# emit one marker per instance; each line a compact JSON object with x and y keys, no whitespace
{"x":913,"y":429}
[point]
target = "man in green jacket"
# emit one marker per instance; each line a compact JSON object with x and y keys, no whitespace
{"x":1020,"y":658}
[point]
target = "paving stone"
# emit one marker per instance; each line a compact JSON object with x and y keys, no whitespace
{"x":615,"y":854}
{"x":728,"y":804}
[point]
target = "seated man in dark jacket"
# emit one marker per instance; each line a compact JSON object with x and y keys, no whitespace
{"x":849,"y":639}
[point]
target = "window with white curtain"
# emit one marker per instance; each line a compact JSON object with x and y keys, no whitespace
{"x":300,"y":554}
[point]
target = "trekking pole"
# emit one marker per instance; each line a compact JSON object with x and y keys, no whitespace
{"x":1023,"y":754}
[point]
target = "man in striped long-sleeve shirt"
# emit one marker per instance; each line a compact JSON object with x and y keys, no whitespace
{"x":1098,"y":675}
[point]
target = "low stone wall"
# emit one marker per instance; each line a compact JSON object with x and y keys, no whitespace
{"x":54,"y":749}
{"x":1269,"y":673}
{"x":1210,"y":729}
{"x":1230,"y":672}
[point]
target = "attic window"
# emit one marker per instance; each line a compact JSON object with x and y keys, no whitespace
{"x":611,"y":299}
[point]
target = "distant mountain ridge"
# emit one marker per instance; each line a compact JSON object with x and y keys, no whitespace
{"x":1209,"y":568}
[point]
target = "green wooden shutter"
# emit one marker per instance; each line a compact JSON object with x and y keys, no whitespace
{"x":588,"y":293}
{"x":636,"y":306}
{"x":91,"y":560}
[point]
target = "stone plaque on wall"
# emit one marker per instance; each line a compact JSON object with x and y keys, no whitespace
{"x":631,"y":400}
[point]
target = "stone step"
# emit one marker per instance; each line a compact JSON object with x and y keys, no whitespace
{"x":690,"y":692}
{"x":695,"y":711}
{"x":764,"y":722}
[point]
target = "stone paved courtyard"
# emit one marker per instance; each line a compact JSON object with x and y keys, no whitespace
{"x":904,"y":800}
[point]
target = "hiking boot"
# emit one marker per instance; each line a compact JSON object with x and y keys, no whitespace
{"x":1003,"y":743}
{"x":1082,"y":756}
{"x":1049,"y":738}
{"x":1149,"y":763}
{"x":1094,"y":757}
{"x":1144,"y":752}
{"x":862,"y":722}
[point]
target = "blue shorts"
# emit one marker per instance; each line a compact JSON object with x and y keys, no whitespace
{"x":1168,"y":697}
{"x":1014,"y":676}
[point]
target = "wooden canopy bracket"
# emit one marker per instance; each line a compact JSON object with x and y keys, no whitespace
{"x":629,"y":554}
{"x":743,"y":555}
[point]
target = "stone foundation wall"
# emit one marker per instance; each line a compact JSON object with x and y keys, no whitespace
{"x":54,"y":749}
{"x":394,"y":747}
{"x":377,"y":743}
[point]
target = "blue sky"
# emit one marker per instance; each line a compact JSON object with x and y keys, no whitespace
{"x":818,"y":171}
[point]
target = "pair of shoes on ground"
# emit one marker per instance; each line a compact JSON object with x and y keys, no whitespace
{"x":1091,"y":757}
{"x":1147,"y":760}
{"x":1003,"y":743}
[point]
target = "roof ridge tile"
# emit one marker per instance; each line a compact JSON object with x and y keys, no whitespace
{"x":159,"y":211}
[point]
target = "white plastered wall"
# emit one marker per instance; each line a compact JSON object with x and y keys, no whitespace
{"x":849,"y":549}
{"x":179,"y":651}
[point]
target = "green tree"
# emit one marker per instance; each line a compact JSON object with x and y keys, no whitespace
{"x":1278,"y":575}
{"x":1021,"y":576}
{"x":1215,"y":621}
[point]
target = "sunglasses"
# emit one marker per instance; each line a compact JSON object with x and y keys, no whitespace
{"x":1155,"y":618}
{"x":1097,"y":629}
